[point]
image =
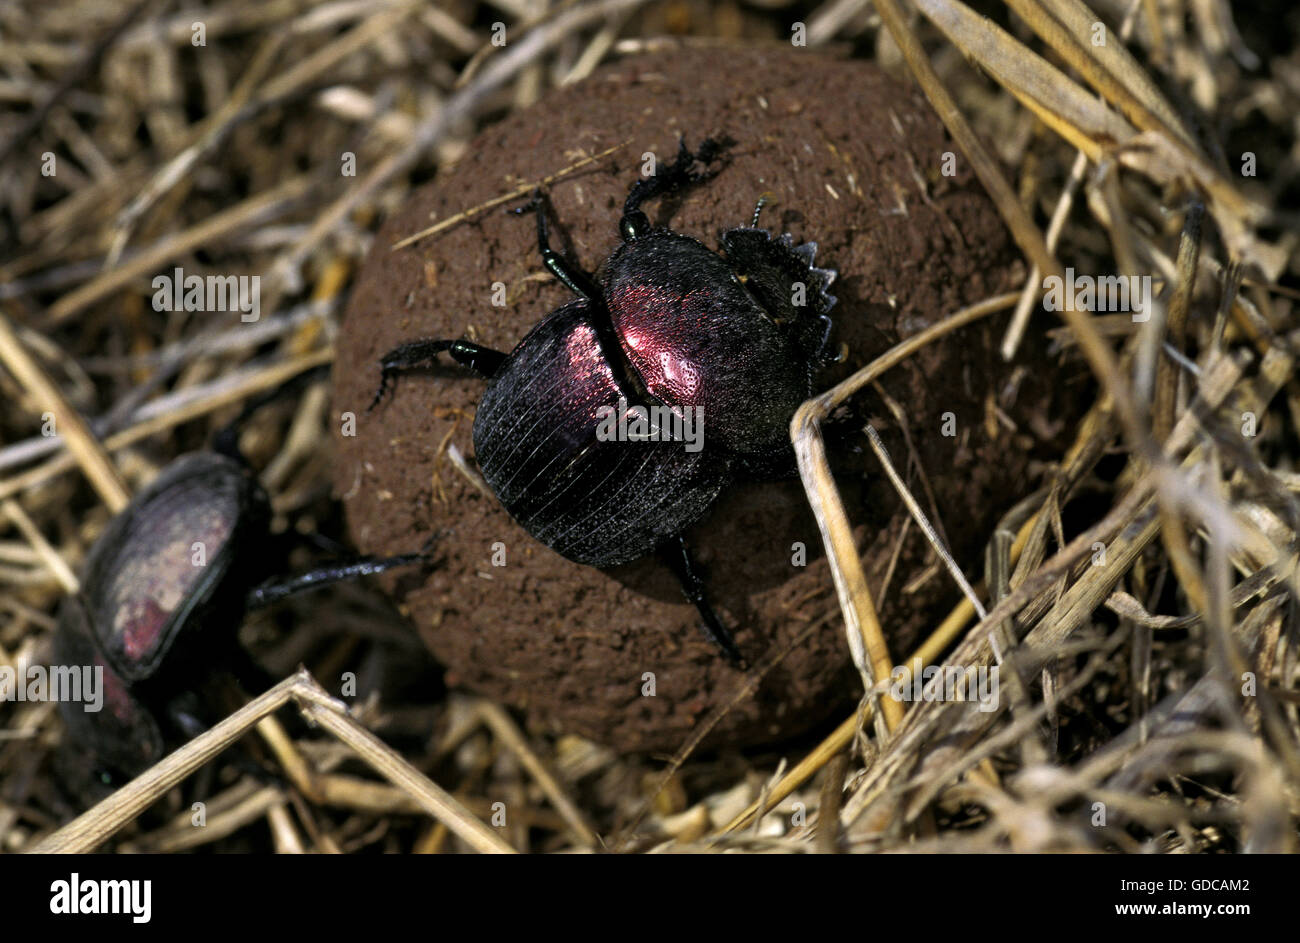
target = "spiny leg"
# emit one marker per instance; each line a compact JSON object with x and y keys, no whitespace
{"x":678,"y":558}
{"x":677,"y":175}
{"x":423,"y":355}
{"x":277,"y":588}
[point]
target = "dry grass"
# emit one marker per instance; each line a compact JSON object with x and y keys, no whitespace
{"x":1154,"y":680}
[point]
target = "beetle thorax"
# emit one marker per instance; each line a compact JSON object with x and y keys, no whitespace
{"x":698,"y":340}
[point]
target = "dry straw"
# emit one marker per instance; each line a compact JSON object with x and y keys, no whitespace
{"x":1168,"y":610}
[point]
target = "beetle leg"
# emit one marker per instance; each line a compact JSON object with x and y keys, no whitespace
{"x":184,"y":714}
{"x":583,"y":285}
{"x":423,"y":355}
{"x":678,"y":558}
{"x":277,"y":588}
{"x":678,"y":174}
{"x":226,"y":440}
{"x":574,"y":278}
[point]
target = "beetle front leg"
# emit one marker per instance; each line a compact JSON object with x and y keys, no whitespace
{"x":574,"y":278}
{"x":226,"y":440}
{"x":423,"y":355}
{"x":583,"y":285}
{"x":675,"y":176}
{"x":678,"y":558}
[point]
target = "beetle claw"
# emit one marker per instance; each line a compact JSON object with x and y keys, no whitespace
{"x":385,"y":384}
{"x":533,"y":205}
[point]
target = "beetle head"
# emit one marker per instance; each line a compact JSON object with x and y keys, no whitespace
{"x":781,"y":277}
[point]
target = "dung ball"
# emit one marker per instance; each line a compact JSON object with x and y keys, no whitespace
{"x":852,"y":160}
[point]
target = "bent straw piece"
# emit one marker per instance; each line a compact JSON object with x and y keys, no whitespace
{"x":92,"y":828}
{"x":89,"y":830}
{"x":316,"y":704}
{"x":861,"y":623}
{"x":862,"y":626}
{"x":842,"y":736}
{"x":821,"y":406}
{"x":866,"y":638}
{"x":1226,"y":373}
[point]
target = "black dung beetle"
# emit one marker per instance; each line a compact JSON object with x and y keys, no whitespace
{"x":163,"y":592}
{"x":671,"y":333}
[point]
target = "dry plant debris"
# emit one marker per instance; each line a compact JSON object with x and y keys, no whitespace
{"x":1140,"y":607}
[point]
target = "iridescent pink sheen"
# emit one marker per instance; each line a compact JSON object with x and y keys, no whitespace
{"x":655,"y":328}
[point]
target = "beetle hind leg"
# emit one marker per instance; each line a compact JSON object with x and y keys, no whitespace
{"x":278,"y":588}
{"x":423,"y":355}
{"x":678,"y":558}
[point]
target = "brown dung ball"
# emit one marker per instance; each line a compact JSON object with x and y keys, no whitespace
{"x":855,"y":162}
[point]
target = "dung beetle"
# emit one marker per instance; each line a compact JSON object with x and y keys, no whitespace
{"x":163,"y":592}
{"x":670,"y":329}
